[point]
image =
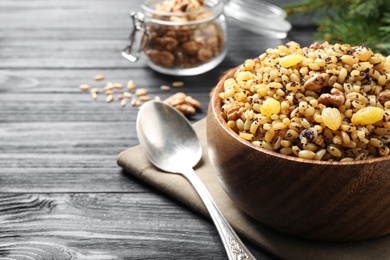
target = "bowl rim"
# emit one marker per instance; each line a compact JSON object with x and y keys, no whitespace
{"x":216,"y":104}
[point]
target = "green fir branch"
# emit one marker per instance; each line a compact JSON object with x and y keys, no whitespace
{"x":366,"y":9}
{"x":313,"y":6}
{"x":356,"y":22}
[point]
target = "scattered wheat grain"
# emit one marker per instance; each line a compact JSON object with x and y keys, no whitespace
{"x":117,"y":85}
{"x":177,"y":84}
{"x":127,"y":94}
{"x":99,"y":77}
{"x":141,"y":92}
{"x":130,"y":85}
{"x":165,"y":87}
{"x":84,"y":87}
{"x":94,"y":90}
{"x":110,"y":98}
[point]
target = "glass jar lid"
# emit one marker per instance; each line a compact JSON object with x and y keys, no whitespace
{"x":259,"y":17}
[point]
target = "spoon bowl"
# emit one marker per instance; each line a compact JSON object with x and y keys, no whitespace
{"x":171,"y":144}
{"x":167,"y":137}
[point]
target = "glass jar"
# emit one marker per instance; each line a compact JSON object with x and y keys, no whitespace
{"x":179,"y":37}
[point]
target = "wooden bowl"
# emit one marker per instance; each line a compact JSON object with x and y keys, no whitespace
{"x":329,"y":201}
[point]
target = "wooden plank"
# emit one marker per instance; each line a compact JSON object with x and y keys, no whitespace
{"x":105,"y":226}
{"x":74,"y":108}
{"x":39,"y":96}
{"x":102,"y":226}
{"x":59,"y":81}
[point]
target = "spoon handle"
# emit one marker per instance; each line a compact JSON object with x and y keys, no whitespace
{"x":235,"y":248}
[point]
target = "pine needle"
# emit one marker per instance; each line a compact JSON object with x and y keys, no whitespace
{"x":356,"y":22}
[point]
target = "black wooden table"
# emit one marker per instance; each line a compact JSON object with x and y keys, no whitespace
{"x":62,"y":195}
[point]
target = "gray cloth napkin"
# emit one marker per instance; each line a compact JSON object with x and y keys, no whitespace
{"x":134,"y":161}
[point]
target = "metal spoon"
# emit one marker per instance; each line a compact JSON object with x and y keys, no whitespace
{"x":171,"y":144}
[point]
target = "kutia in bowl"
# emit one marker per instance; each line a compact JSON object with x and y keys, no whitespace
{"x":299,"y":138}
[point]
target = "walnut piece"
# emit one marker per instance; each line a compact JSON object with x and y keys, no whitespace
{"x":168,"y":43}
{"x":384,"y":96}
{"x":336,"y":98}
{"x":191,"y":47}
{"x":162,"y":58}
{"x":232,"y":111}
{"x":183,"y":46}
{"x":187,"y":105}
{"x":205,"y":54}
{"x":317,"y":82}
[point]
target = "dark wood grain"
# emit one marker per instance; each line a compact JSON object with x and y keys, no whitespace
{"x":62,"y":195}
{"x":97,"y":226}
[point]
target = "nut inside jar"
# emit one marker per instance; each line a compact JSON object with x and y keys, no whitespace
{"x":183,"y":34}
{"x":193,"y":41}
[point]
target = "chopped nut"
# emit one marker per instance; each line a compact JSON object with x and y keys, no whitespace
{"x":123,"y":102}
{"x":84,"y":87}
{"x":161,"y":58}
{"x":193,"y":102}
{"x":205,"y":54}
{"x":99,"y":77}
{"x":191,"y":47}
{"x":109,"y":92}
{"x":110,"y":98}
{"x":141,"y":92}
{"x":176,"y":99}
{"x":384,"y":96}
{"x":184,"y":46}
{"x":121,"y":96}
{"x":179,"y":95}
{"x":232,"y":111}
{"x":186,"y":109}
{"x":165,"y":87}
{"x":317,"y":82}
{"x":336,"y":98}
{"x":157,"y":98}
{"x":185,"y":104}
{"x":177,"y":84}
{"x":130,"y":85}
{"x":167,"y":43}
